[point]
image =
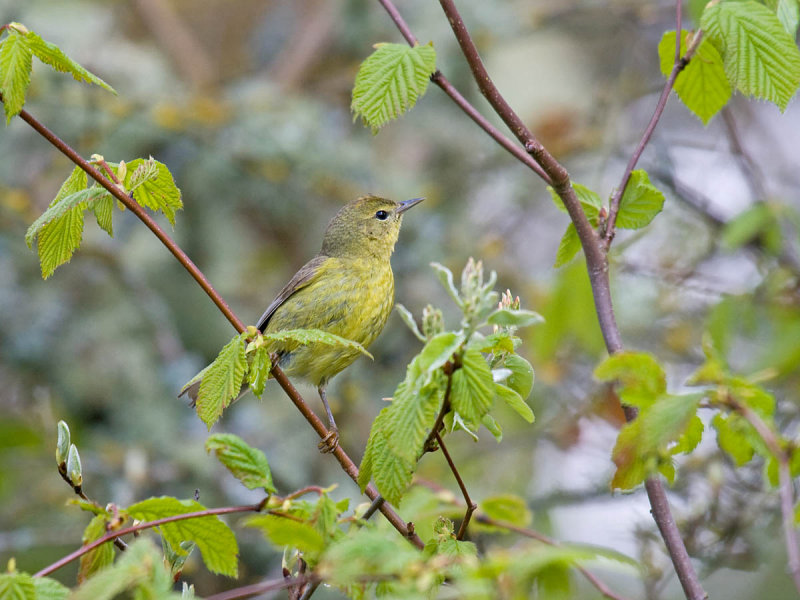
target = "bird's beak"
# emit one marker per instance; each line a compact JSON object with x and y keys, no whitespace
{"x":406,"y":204}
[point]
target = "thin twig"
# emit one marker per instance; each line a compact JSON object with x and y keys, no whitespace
{"x":112,"y":535}
{"x":373,"y":508}
{"x":347,"y":464}
{"x":471,"y":506}
{"x":256,"y":589}
{"x":785,"y":488}
{"x":678,"y":66}
{"x":593,"y":579}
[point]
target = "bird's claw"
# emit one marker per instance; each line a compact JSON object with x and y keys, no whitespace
{"x":330,"y":442}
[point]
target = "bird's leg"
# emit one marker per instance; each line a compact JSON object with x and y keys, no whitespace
{"x":330,"y":441}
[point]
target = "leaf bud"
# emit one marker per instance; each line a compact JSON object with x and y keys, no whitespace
{"x":62,"y":446}
{"x":74,"y":471}
{"x":432,"y":321}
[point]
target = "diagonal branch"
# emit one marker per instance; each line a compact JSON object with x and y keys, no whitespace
{"x":471,"y":506}
{"x":344,"y":460}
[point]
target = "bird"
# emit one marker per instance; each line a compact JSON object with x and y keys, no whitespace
{"x":347,"y":289}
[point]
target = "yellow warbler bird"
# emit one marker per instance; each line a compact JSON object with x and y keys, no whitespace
{"x":347,"y":290}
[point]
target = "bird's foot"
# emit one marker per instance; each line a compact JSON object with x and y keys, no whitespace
{"x":330,"y":442}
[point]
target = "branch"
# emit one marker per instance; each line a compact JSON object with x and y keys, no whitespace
{"x":113,"y":535}
{"x":471,"y":506}
{"x":678,"y":66}
{"x":347,"y":464}
{"x":594,"y":250}
{"x":263,"y":587}
{"x":785,"y":488}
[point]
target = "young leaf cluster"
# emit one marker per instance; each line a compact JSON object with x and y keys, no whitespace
{"x":747,"y":46}
{"x":244,"y":363}
{"x":59,"y":230}
{"x":17,"y":48}
{"x":390,"y":81}
{"x":454,"y":381}
{"x":639,"y":205}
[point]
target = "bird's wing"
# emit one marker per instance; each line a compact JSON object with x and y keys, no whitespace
{"x":301,"y":279}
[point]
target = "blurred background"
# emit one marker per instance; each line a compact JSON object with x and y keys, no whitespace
{"x":247,"y":102}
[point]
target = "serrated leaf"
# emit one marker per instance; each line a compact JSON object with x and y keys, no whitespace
{"x":760,"y":58}
{"x":49,"y":589}
{"x":376,"y":446}
{"x":506,"y":317}
{"x":315,"y":336}
{"x":643,"y":444}
{"x":222,"y":381}
{"x":507,"y":507}
{"x":515,"y":401}
{"x":15,"y":72}
{"x":408,"y":319}
{"x":522,"y":375}
{"x":392,"y":476}
{"x":438,"y":351}
{"x":640,"y":203}
{"x":283,"y":531}
{"x":412,"y":414}
{"x":52,"y":55}
{"x":213,"y":538}
{"x":155,"y":193}
{"x":702,"y":85}
{"x":733,"y":438}
{"x":568,"y":247}
{"x":100,"y":557}
{"x":140,"y":572}
{"x":472,"y":387}
{"x":247,"y":464}
{"x":641,"y":377}
{"x":788,"y":13}
{"x":390,"y":81}
{"x":17,"y":586}
{"x":74,"y":201}
{"x":257,"y":375}
{"x":690,"y":438}
{"x":103,"y":209}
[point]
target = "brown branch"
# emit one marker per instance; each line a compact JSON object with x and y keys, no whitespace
{"x":785,"y":486}
{"x":146,"y":525}
{"x":596,"y":261}
{"x":471,"y":506}
{"x":344,"y":460}
{"x":678,"y":66}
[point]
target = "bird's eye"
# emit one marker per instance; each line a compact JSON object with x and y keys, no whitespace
{"x":381,"y":215}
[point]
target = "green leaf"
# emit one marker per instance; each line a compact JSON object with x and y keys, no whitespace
{"x":408,"y":319}
{"x":390,"y":81}
{"x":641,"y":377}
{"x":508,"y":508}
{"x":49,"y":589}
{"x":506,"y":317}
{"x":247,"y":464}
{"x":413,"y":413}
{"x":702,"y":85}
{"x":214,"y":538}
{"x":156,"y":193}
{"x":568,"y":247}
{"x":103,"y":209}
{"x":257,"y":375}
{"x":15,"y":71}
{"x":590,"y":201}
{"x":643,"y":444}
{"x":59,"y":238}
{"x":640,"y":203}
{"x":733,"y":437}
{"x":748,"y":225}
{"x":376,"y":446}
{"x":515,"y":401}
{"x":761,"y":59}
{"x":493,"y":427}
{"x":75,"y":201}
{"x":140,"y":572}
{"x":690,"y":438}
{"x":392,"y":475}
{"x":283,"y":531}
{"x":222,"y":380}
{"x":472,"y":387}
{"x":522,"y":376}
{"x":438,"y":351}
{"x":50,"y":54}
{"x":17,"y":586}
{"x":315,"y":336}
{"x":788,"y":13}
{"x":100,"y":557}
